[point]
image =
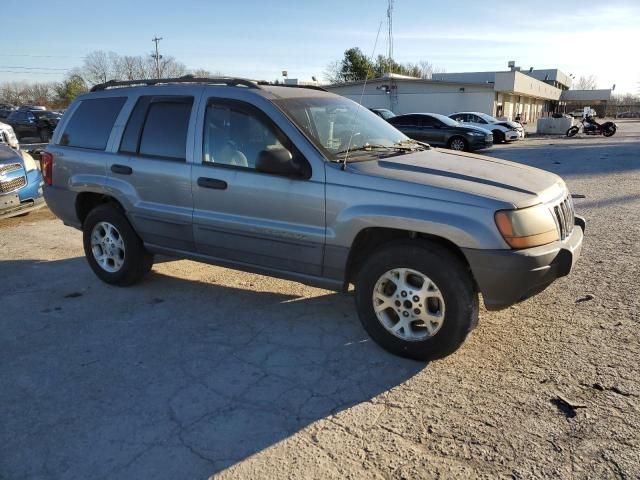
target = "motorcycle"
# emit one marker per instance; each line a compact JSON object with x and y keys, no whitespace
{"x":608,"y":129}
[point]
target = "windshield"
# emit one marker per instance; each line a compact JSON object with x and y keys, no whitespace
{"x":337,"y":124}
{"x":386,"y":114}
{"x":488,"y":118}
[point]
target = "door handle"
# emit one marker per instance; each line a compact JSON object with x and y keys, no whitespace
{"x":206,"y":182}
{"x":121,"y":169}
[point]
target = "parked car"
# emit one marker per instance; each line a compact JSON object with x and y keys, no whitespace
{"x":577,"y":113}
{"x":33,"y":123}
{"x":20,"y":183}
{"x":260,"y":178}
{"x":383,"y":113}
{"x":501,"y":134}
{"x":442,"y":131}
{"x":8,"y":136}
{"x":511,"y":125}
{"x":5,"y":111}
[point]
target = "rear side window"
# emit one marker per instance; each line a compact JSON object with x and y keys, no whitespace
{"x":158,"y":127}
{"x":91,"y":123}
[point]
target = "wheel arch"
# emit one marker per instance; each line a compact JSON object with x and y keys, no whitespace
{"x":87,"y":201}
{"x":371,"y":239}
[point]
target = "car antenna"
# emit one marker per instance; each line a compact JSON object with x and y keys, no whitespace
{"x":355,"y":114}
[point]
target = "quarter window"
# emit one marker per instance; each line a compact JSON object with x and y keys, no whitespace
{"x":91,"y":123}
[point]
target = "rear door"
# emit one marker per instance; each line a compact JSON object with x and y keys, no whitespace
{"x":151,"y":169}
{"x":247,"y":216}
{"x":432,"y":130}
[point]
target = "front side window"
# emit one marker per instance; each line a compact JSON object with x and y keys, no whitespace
{"x":91,"y":123}
{"x":236,"y":136}
{"x":340,"y":128}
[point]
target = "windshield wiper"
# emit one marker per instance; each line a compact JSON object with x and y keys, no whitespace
{"x":403,"y":146}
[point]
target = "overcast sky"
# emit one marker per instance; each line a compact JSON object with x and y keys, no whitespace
{"x":258,"y":39}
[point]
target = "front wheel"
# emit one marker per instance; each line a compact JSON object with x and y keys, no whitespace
{"x":113,"y":249}
{"x":572,"y":131}
{"x":416,"y":299}
{"x":459,"y":144}
{"x":499,"y":136}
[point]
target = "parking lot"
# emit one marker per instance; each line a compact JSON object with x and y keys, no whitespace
{"x":202,"y":371}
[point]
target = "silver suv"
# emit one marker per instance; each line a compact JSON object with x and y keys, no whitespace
{"x":303,"y":184}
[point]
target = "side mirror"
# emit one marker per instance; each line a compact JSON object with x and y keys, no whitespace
{"x":280,"y":161}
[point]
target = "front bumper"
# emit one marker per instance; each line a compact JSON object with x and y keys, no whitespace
{"x":477,"y":143}
{"x":506,"y":277}
{"x":24,"y":200}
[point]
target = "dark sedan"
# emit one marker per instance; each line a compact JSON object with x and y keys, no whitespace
{"x":440,"y":130}
{"x":33,"y":123}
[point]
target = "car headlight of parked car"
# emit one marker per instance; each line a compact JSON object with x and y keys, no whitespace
{"x":527,"y":227}
{"x":29,"y":163}
{"x":476,"y":134}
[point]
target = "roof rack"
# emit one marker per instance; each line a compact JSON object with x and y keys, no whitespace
{"x":310,"y":87}
{"x":229,"y":81}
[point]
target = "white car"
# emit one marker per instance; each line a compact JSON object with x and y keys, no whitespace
{"x":477,"y":119}
{"x":8,"y":136}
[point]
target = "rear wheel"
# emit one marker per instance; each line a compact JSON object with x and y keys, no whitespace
{"x":609,"y":130}
{"x":416,"y":299}
{"x":113,"y":249}
{"x":458,"y":143}
{"x":572,"y":131}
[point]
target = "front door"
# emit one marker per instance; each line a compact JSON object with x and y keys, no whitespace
{"x":250,"y":217}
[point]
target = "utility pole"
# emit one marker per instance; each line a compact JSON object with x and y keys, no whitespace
{"x":390,"y":21}
{"x":157,"y":55}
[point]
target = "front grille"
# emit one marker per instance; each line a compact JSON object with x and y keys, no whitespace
{"x":10,"y":167}
{"x":565,"y":217}
{"x":11,"y":185}
{"x":3,"y":138}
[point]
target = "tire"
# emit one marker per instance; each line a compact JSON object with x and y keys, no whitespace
{"x":456,"y":309}
{"x":499,"y":137}
{"x":45,"y":135}
{"x":609,"y":131}
{"x":572,"y":131}
{"x":123,"y":258}
{"x":458,"y":143}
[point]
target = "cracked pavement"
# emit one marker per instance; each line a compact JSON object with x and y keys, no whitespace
{"x":202,"y":371}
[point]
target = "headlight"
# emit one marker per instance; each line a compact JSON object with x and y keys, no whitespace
{"x":476,"y":134}
{"x":527,"y":227}
{"x":29,"y":162}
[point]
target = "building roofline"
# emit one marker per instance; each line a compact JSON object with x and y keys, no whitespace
{"x":410,"y":80}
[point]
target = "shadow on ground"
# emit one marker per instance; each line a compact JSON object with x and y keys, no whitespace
{"x":171,"y":378}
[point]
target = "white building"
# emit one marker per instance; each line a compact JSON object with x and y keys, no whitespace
{"x":506,"y":94}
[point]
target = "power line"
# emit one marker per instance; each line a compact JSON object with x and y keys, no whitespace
{"x":37,"y":56}
{"x":31,"y":72}
{"x":36,"y":68}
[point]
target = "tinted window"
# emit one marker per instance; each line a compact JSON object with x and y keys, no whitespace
{"x":236,"y":136}
{"x":165,"y":130}
{"x":428,"y":121}
{"x":91,"y":123}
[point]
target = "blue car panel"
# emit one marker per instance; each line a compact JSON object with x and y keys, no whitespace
{"x":20,"y":184}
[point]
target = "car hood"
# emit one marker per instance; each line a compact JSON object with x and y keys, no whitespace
{"x":473,"y":128}
{"x":8,"y":155}
{"x":467,"y":174}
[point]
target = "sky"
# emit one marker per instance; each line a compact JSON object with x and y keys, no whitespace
{"x":258,"y":39}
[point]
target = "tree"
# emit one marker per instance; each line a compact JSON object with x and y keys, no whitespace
{"x":72,"y":86}
{"x":356,"y":66}
{"x":586,"y":83}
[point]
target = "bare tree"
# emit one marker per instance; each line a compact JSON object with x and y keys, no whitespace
{"x":586,"y":83}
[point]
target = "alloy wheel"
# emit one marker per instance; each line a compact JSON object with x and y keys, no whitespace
{"x":107,"y":246}
{"x":408,"y":304}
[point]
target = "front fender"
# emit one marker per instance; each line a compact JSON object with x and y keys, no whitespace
{"x":465,"y":226}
